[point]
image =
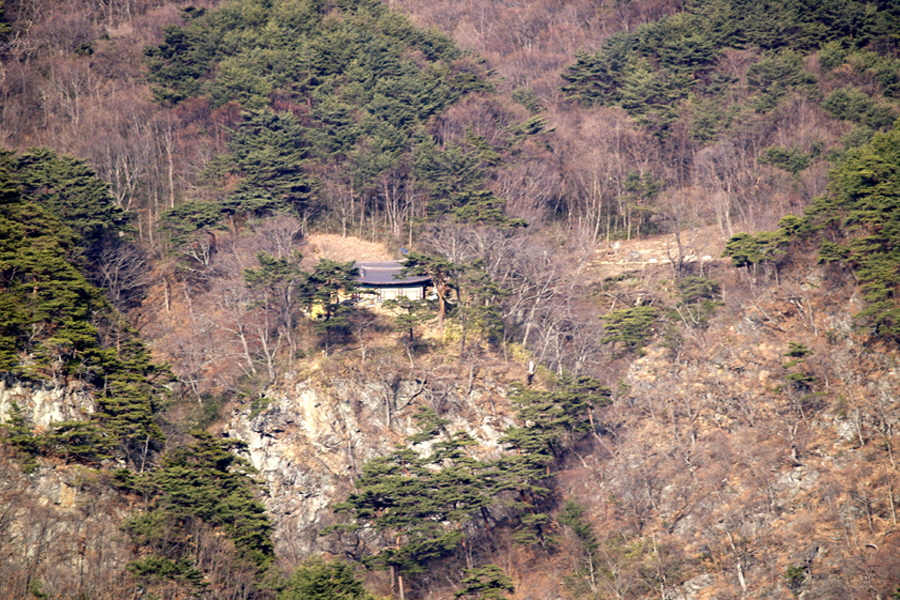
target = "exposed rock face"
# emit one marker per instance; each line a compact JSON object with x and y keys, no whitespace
{"x":311,"y":439}
{"x":45,"y":403}
{"x":692,"y":588}
{"x":60,"y":531}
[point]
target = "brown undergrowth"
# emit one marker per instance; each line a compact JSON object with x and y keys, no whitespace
{"x":753,"y":459}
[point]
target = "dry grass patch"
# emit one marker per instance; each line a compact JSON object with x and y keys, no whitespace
{"x":336,"y":247}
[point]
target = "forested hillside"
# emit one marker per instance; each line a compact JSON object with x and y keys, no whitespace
{"x":658,"y":358}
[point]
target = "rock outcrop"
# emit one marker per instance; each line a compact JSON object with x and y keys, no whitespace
{"x":44,"y":403}
{"x":311,"y":435}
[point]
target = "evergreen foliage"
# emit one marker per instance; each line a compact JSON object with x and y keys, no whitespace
{"x":551,"y":417}
{"x":420,"y":500}
{"x":55,"y":324}
{"x":745,"y":249}
{"x":794,"y":577}
{"x":698,"y":299}
{"x":160,"y":568}
{"x":650,"y":70}
{"x":551,"y":421}
{"x":486,"y":583}
{"x":275,"y":286}
{"x":453,"y":179}
{"x":572,"y":516}
{"x":465,"y":292}
{"x":323,"y":293}
{"x":442,"y":272}
{"x":799,"y":380}
{"x":42,"y":290}
{"x":852,"y":104}
{"x":326,"y":88}
{"x":409,"y":315}
{"x":773,"y":76}
{"x":283,"y":290}
{"x":856,"y":223}
{"x":73,"y":193}
{"x":201,"y":482}
{"x":424,"y":495}
{"x":862,"y":212}
{"x":316,"y":579}
{"x":767,"y":247}
{"x":4,"y":25}
{"x":631,"y":327}
{"x":478,"y":311}
{"x":182,"y":221}
{"x":268,"y":151}
{"x":641,"y":190}
{"x":336,"y":86}
{"x":696,"y":289}
{"x":85,"y":441}
{"x":792,"y":160}
{"x":18,"y":433}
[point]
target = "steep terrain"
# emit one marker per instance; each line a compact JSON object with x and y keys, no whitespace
{"x":311,"y":434}
{"x":659,"y":359}
{"x":60,"y":530}
{"x":720,"y":455}
{"x":713,"y":475}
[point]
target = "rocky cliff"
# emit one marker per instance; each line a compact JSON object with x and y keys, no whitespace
{"x":60,"y":532}
{"x":43,"y":403}
{"x":750,"y":457}
{"x":310,"y":434}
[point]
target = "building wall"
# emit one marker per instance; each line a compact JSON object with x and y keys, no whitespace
{"x":393,"y":293}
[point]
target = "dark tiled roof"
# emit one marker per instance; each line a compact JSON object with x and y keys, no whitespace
{"x":386,"y":273}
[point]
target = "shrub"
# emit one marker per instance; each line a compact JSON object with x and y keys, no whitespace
{"x":632,"y":327}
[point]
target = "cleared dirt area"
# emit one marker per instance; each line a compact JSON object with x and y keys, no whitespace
{"x":692,"y":245}
{"x":343,"y":249}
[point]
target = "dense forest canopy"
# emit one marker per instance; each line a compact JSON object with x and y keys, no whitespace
{"x":650,"y":70}
{"x":56,"y":324}
{"x":341,"y":91}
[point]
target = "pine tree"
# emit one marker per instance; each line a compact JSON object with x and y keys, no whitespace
{"x":44,"y":291}
{"x":85,"y":441}
{"x":53,"y":315}
{"x":275,"y":285}
{"x":551,"y":422}
{"x":631,"y":327}
{"x":316,"y":579}
{"x":209,"y":482}
{"x":183,"y":221}
{"x":572,"y":516}
{"x":409,"y":315}
{"x":486,"y":583}
{"x":419,"y":501}
{"x":19,"y":433}
{"x":477,"y":310}
{"x":72,"y":192}
{"x":270,"y":152}
{"x":649,"y":96}
{"x":863,"y":209}
{"x":323,"y":292}
{"x":774,"y":75}
{"x":442,"y":273}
